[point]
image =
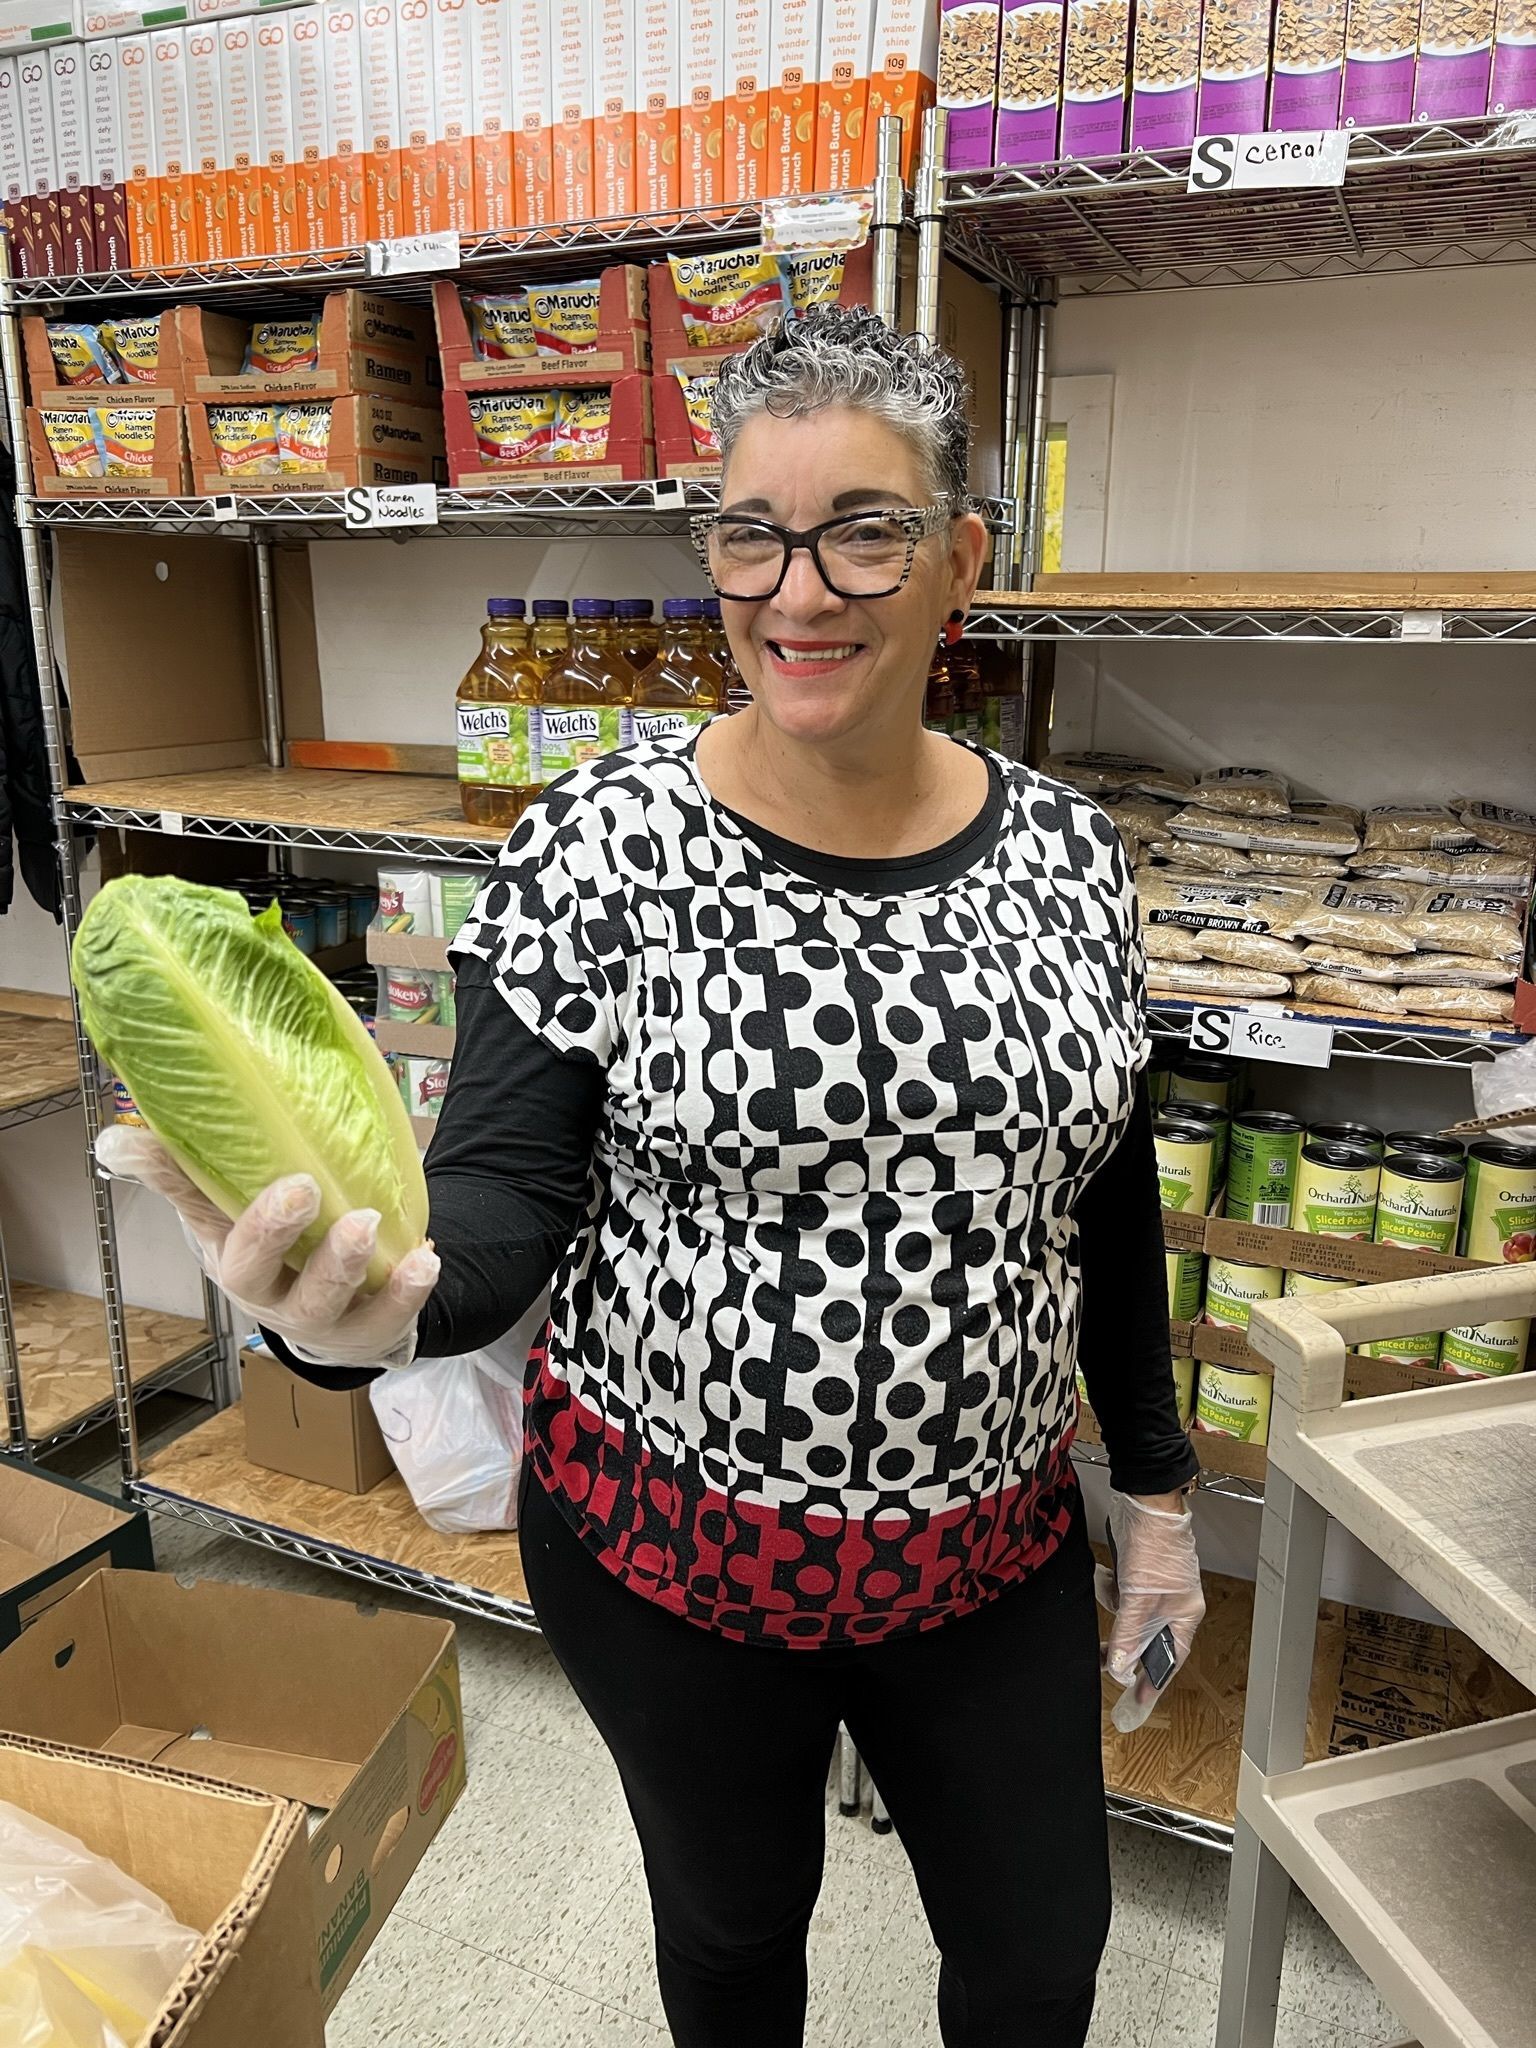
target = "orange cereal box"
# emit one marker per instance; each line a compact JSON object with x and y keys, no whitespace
{"x":421,"y":205}
{"x":381,"y":117}
{"x":533,"y":112}
{"x":793,"y":63}
{"x":571,"y":82}
{"x":453,"y":74}
{"x":173,"y":144}
{"x":139,"y":157}
{"x":903,"y":74}
{"x":205,"y":107}
{"x":658,"y":90}
{"x":613,"y":108}
{"x":847,"y":37}
{"x":746,"y":101}
{"x":312,"y":228}
{"x":490,"y":30}
{"x":346,"y":134}
{"x":274,"y":132}
{"x":242,"y":145}
{"x":703,"y":103}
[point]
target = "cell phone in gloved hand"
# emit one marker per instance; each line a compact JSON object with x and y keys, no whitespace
{"x":1159,"y":1659}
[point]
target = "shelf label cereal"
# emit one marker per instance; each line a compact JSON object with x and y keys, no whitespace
{"x":793,"y":96}
{"x":746,"y":101}
{"x":582,"y":421}
{"x":969,"y":37}
{"x":495,"y":122}
{"x":500,"y":330}
{"x":242,"y":143}
{"x":568,"y":736}
{"x":698,"y":393}
{"x":452,"y":68}
{"x":1513,"y":84}
{"x":304,"y":437}
{"x":1234,"y":67}
{"x":1308,"y":67}
{"x":1380,"y":43}
{"x":727,"y":300}
{"x":73,"y":440}
{"x":514,"y":426}
{"x":658,"y":103}
{"x":613,"y":108}
{"x":702,"y":100}
{"x":1029,"y":76}
{"x":244,"y":438}
{"x":571,"y":86}
{"x":847,"y":37}
{"x":1095,"y":74}
{"x":903,"y":71}
{"x":564,"y":317}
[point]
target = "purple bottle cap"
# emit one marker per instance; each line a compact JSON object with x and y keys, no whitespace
{"x":505,"y":608}
{"x":712,"y":609}
{"x":592,"y":608}
{"x":681,"y":608}
{"x":550,"y":608}
{"x":634,"y":608}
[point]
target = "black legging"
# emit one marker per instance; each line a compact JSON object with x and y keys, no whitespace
{"x":983,"y":1736}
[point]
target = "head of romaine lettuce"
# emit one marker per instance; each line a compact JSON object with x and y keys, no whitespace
{"x":243,"y":1059}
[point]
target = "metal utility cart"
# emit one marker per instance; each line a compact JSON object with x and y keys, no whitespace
{"x":1421,"y":1856}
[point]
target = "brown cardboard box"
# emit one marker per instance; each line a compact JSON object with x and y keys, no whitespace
{"x":373,"y":440}
{"x":228,"y":1863}
{"x":355,"y":1712}
{"x":55,"y":1533}
{"x":367,"y":343}
{"x":166,"y":477}
{"x":321,"y":1434}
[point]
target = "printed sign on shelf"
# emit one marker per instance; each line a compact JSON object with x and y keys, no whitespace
{"x":1253,"y":163}
{"x":371,"y":509}
{"x":408,"y":253}
{"x":1258,"y":1035}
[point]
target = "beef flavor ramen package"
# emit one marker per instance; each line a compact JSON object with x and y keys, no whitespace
{"x":727,"y":300}
{"x":500,"y":326}
{"x":563,"y":317}
{"x":697,"y":393}
{"x":515,"y":426}
{"x":581,"y":425}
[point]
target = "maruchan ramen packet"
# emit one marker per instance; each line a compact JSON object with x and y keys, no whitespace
{"x":80,"y":355}
{"x":515,"y":426}
{"x":304,"y":438}
{"x":729,"y":299}
{"x":697,"y":393}
{"x":245,"y":439}
{"x":135,"y":344}
{"x":279,"y":345}
{"x":564,"y":317}
{"x":815,"y":277}
{"x":127,"y":439}
{"x":500,"y":326}
{"x":74,"y":441}
{"x":581,"y":425}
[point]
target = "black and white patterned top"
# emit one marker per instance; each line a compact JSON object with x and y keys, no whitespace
{"x":810,"y":1368}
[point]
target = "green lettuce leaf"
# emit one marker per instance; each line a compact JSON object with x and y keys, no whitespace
{"x":243,"y":1059}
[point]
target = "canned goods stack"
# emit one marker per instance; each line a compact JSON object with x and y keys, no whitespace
{"x":318,"y":914}
{"x":422,"y":903}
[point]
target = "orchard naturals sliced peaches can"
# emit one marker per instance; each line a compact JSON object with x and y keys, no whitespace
{"x":1186,"y":1165}
{"x":1498,"y":1216}
{"x":1184,"y":1388}
{"x":1486,"y":1350}
{"x":1231,"y":1289}
{"x":1233,"y":1403}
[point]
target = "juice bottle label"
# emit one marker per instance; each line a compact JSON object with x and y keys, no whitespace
{"x":495,"y":744}
{"x":660,"y":725}
{"x":567,"y":737}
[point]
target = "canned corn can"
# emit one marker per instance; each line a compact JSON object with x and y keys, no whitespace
{"x":1229,"y":1402}
{"x":1232,"y":1288}
{"x":411,"y":995}
{"x":1336,"y":1192}
{"x":1499,"y":1211}
{"x":1486,"y":1350}
{"x":1263,"y":1165}
{"x":1186,"y":1166}
{"x":1186,"y":1285}
{"x":426,"y":1083}
{"x":1184,"y":1389}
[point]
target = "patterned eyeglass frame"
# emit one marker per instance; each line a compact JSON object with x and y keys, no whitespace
{"x":916,"y":521}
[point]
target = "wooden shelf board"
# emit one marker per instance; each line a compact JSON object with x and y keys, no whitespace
{"x":37,"y":1057}
{"x":1244,"y":591}
{"x":1338,"y":1013}
{"x":322,"y":798}
{"x":62,"y":1341}
{"x":209,"y":1465}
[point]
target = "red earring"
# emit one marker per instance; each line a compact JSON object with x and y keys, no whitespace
{"x":954,"y":626}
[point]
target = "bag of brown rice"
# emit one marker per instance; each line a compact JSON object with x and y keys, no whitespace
{"x":1200,"y":860}
{"x":1106,"y":774}
{"x":1202,"y":903}
{"x":1448,"y":921}
{"x":1474,"y":1005}
{"x":1164,"y":785}
{"x":1350,"y":995}
{"x":1145,"y":818}
{"x":1354,"y":965}
{"x":1264,"y":834}
{"x":1453,"y":970}
{"x":1499,"y":829}
{"x":1416,"y":867}
{"x":1499,"y":874}
{"x":1167,"y":942}
{"x":1206,"y":978}
{"x":1353,"y":914}
{"x":1412,"y":828}
{"x":1244,"y":792}
{"x":1313,"y":866}
{"x":1245,"y":949}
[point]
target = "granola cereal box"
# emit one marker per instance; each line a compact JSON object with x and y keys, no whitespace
{"x":846,"y":30}
{"x":205,"y":101}
{"x":1165,"y":74}
{"x":533,"y":112}
{"x":1514,"y":57}
{"x":969,"y":42}
{"x":1455,"y":62}
{"x":793,"y":63}
{"x":702,"y":102}
{"x":613,"y":108}
{"x":903,"y":74}
{"x":1381,"y":42}
{"x":453,"y":72}
{"x":746,"y":100}
{"x":1095,"y":75}
{"x":173,"y":139}
{"x":571,"y":83}
{"x":658,"y":92}
{"x":242,"y":149}
{"x":346,"y":144}
{"x":1029,"y":79}
{"x":420,"y":197}
{"x":274,"y":130}
{"x":1307,"y":76}
{"x":1234,"y":67}
{"x":311,"y":169}
{"x":491,"y":70}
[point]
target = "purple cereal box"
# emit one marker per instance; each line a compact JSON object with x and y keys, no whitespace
{"x":1450,"y":81}
{"x":1513,"y":88}
{"x":1165,"y":74}
{"x":1234,"y":67}
{"x":1380,"y":46}
{"x":968,"y":46}
{"x":1029,"y":80}
{"x":1308,"y":73}
{"x":1095,"y":73}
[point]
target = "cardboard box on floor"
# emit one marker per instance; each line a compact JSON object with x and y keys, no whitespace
{"x":54,"y":1534}
{"x":230,"y":1864}
{"x":321,"y":1434}
{"x":354,"y":1712}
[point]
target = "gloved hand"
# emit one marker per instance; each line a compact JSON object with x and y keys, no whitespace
{"x":317,"y":1311}
{"x":1156,"y":1583}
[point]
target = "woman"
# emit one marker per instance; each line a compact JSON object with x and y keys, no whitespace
{"x":803,"y":1055}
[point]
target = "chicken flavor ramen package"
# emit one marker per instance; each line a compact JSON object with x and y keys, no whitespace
{"x":135,"y":344}
{"x":277,"y":346}
{"x":127,"y":439}
{"x":74,"y":440}
{"x":245,"y":439}
{"x":304,"y":437}
{"x":697,"y":393}
{"x":515,"y":426}
{"x":80,"y":354}
{"x":563,"y":317}
{"x":727,"y":300}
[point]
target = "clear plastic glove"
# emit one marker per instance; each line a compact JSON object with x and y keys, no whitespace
{"x":317,"y":1311}
{"x":1156,"y":1584}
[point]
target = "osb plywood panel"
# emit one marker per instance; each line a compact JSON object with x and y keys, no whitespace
{"x":209,"y":1464}
{"x":37,"y":1058}
{"x":1242,"y":590}
{"x":62,"y":1340}
{"x":300,"y":796}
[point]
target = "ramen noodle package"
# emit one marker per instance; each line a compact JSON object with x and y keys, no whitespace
{"x":127,"y":439}
{"x":1349,"y":995}
{"x":1167,"y":942}
{"x":815,"y":277}
{"x":304,"y":437}
{"x":697,"y":394}
{"x":135,"y":344}
{"x":1245,"y":949}
{"x":1448,"y":922}
{"x":1208,"y":978}
{"x":245,"y":439}
{"x":727,"y":300}
{"x":500,"y":326}
{"x":1455,"y":970}
{"x":1499,"y":829}
{"x":581,"y":425}
{"x":563,"y":317}
{"x":80,"y":355}
{"x":1409,"y":828}
{"x":1474,"y":1005}
{"x":277,"y":346}
{"x":1354,"y":965}
{"x":515,"y":426}
{"x":1357,"y":914}
{"x":74,"y":440}
{"x":1244,"y":792}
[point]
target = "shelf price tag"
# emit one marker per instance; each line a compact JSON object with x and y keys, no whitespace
{"x":406,"y":254}
{"x":1423,"y":626}
{"x":379,"y":507}
{"x":1259,"y":1035}
{"x":1253,"y":163}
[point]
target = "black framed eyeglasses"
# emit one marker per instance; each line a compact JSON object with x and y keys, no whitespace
{"x":857,"y":555}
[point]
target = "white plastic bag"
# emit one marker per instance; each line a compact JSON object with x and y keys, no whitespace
{"x":87,"y":1954}
{"x":1506,"y":1084}
{"x":454,"y":1427}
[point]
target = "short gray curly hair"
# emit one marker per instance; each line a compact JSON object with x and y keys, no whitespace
{"x":842,"y":355}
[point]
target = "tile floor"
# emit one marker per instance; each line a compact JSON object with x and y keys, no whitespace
{"x":487,"y":1946}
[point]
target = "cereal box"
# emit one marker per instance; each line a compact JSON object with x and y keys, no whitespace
{"x":1381,"y":42}
{"x":311,"y":171}
{"x":1451,"y":77}
{"x":847,"y":38}
{"x":274,"y":133}
{"x":205,"y":113}
{"x":109,"y":196}
{"x":533,"y":111}
{"x":1095,"y":67}
{"x":1029,"y":79}
{"x":453,"y":73}
{"x":421,"y":207}
{"x":571,"y":85}
{"x":613,"y":108}
{"x":746,"y":100}
{"x":1307,"y":73}
{"x":969,"y":45}
{"x":702,"y":99}
{"x":490,"y":56}
{"x":1514,"y":57}
{"x":42,"y":167}
{"x":242,"y":144}
{"x":137,"y":111}
{"x":794,"y":57}
{"x":173,"y":139}
{"x":903,"y":74}
{"x":385,"y":212}
{"x":1165,"y":74}
{"x":346,"y":135}
{"x":1234,"y":67}
{"x":658,"y":104}
{"x":13,"y":172}
{"x":72,"y":156}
